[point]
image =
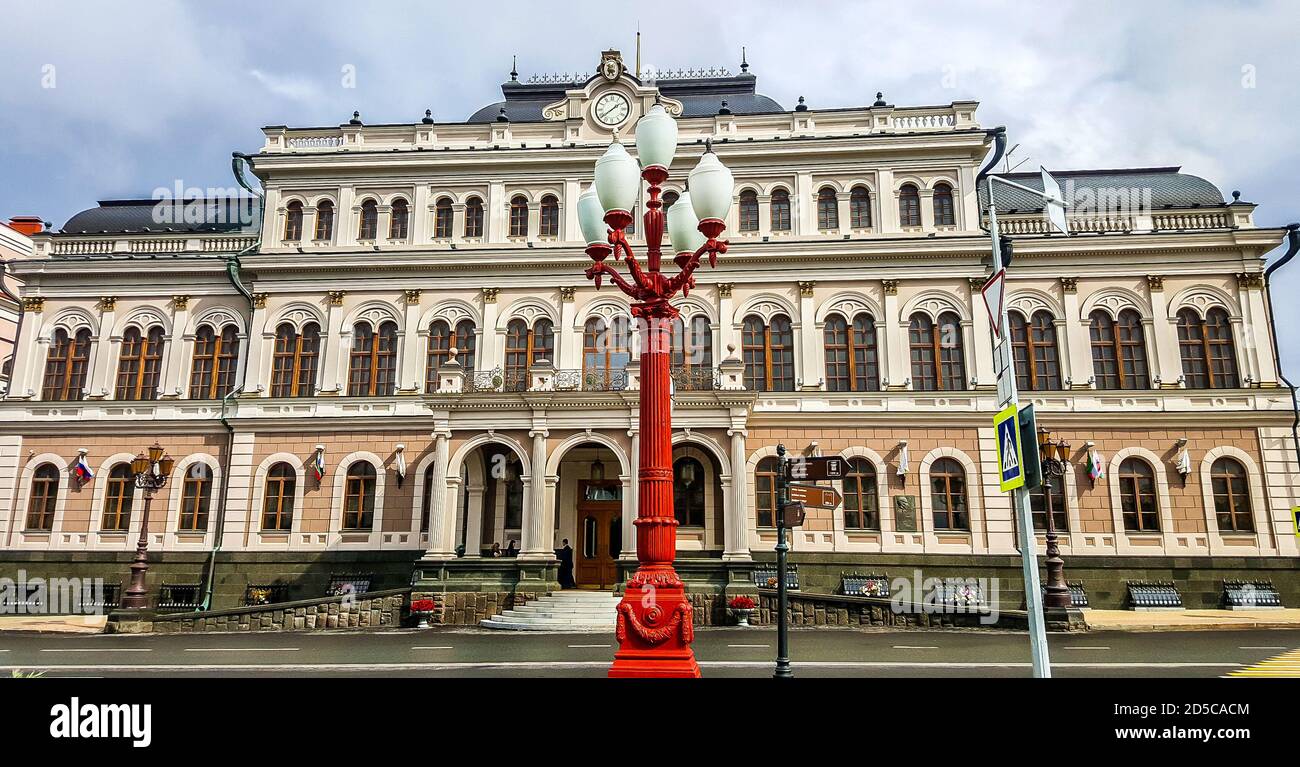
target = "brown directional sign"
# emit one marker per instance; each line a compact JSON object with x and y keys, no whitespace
{"x":799,"y":467}
{"x":792,"y":515}
{"x":817,"y":497}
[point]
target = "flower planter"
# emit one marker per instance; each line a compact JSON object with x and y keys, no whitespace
{"x":742,"y":615}
{"x":421,"y":620}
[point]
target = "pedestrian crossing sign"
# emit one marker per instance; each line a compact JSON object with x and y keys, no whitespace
{"x":1011,"y":473}
{"x":1295,"y":514}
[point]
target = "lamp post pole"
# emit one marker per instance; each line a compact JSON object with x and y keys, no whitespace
{"x":655,"y":625}
{"x":1057,"y":592}
{"x":150,"y":474}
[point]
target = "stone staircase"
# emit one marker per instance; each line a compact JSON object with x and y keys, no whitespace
{"x":561,"y":611}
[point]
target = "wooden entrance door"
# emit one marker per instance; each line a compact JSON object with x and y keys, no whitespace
{"x":600,"y":533}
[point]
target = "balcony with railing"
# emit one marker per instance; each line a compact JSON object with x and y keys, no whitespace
{"x":1125,"y":222}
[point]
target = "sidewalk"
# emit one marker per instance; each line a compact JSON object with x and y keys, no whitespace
{"x":66,"y":624}
{"x":1190,"y":620}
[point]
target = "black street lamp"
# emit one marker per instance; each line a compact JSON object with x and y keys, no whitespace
{"x":1054,"y":458}
{"x":151,"y":472}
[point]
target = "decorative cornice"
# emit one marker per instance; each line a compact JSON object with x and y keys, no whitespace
{"x":1250,"y":280}
{"x":107,"y":303}
{"x":34,"y":304}
{"x":890,"y":286}
{"x":567,"y":294}
{"x":490,"y":295}
{"x":724,"y":289}
{"x":259,"y":300}
{"x":181,"y":303}
{"x":1070,"y":284}
{"x":335,"y":297}
{"x":806,"y":288}
{"x":1155,"y":282}
{"x":412,"y":297}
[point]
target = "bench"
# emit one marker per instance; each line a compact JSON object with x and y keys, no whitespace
{"x":1153,"y":595}
{"x":1251,"y":595}
{"x":348,"y":583}
{"x":180,"y":596}
{"x":859,"y":585}
{"x":265,"y":594}
{"x":765,"y":577}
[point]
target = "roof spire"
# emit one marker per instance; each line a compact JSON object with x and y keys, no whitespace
{"x":514,"y":66}
{"x":744,"y":64}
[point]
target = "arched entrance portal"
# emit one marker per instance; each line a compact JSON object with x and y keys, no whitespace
{"x":492,"y":502}
{"x":590,"y":507}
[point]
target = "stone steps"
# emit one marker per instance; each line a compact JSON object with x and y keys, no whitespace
{"x":563,"y":611}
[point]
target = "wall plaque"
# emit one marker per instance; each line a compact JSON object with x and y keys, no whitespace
{"x":905,"y":513}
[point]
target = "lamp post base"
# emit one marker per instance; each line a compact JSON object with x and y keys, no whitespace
{"x":655,"y":628}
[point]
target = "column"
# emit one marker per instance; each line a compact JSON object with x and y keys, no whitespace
{"x":496,"y":212}
{"x":631,"y":498}
{"x":969,"y":203}
{"x":473,"y":521}
{"x":899,"y":367}
{"x":811,"y":351}
{"x":420,"y":215}
{"x":412,"y":362}
{"x":887,"y":201}
{"x":538,"y":529}
{"x":568,"y":342}
{"x":261,"y":347}
{"x":734,"y":509}
{"x":335,"y":347}
{"x":927,"y":209}
{"x":442,"y":518}
{"x":569,"y":208}
{"x":26,"y":366}
{"x":1164,"y":336}
{"x":1078,"y":343}
{"x":345,"y":219}
{"x":803,"y":215}
{"x":983,"y":340}
{"x":1255,"y":331}
{"x":171,"y":378}
{"x":488,"y":357}
{"x":727,"y":333}
{"x":101,"y":381}
{"x":843,"y":212}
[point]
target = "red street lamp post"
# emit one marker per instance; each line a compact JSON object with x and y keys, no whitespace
{"x":655,"y":627}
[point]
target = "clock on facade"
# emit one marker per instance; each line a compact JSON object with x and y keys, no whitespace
{"x":612,"y":109}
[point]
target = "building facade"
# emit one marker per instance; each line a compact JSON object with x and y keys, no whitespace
{"x":406,"y":311}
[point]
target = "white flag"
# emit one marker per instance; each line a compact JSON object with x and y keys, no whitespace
{"x":401,"y":466}
{"x":1184,"y":463}
{"x":902,"y":461}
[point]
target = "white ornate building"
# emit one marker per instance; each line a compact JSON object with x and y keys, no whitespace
{"x":845,"y":319}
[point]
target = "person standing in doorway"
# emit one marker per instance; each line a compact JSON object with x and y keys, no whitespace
{"x":565,"y":555}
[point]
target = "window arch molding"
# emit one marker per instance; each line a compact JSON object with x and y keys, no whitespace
{"x":70,"y":320}
{"x":297,"y":314}
{"x":689,"y":306}
{"x":751,"y":492}
{"x":619,"y":450}
{"x":766,"y":306}
{"x":100,"y":492}
{"x":933,"y":303}
{"x":172,"y":532}
{"x":1202,"y":298}
{"x":528,"y":309}
{"x":218,"y":317}
{"x":848,"y":305}
{"x":1115,"y":300}
{"x":24,"y":496}
{"x":144,"y":318}
{"x":453,"y":311}
{"x":606,"y":310}
{"x":1258,"y":504}
{"x":376,"y":313}
{"x":881,"y":468}
{"x":974,"y":500}
{"x":1031,"y":300}
{"x":1163,"y":498}
{"x":259,"y":498}
{"x":340,"y":469}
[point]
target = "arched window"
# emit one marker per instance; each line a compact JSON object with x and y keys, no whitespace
{"x":909,"y":206}
{"x":828,"y":209}
{"x":852,"y":363}
{"x":765,"y":475}
{"x":780,"y":210}
{"x":441,"y":341}
{"x":519,"y":216}
{"x":44,"y":498}
{"x":1137,"y":496}
{"x":324,"y":220}
{"x":1033,"y":344}
{"x":66,"y":366}
{"x":293,"y":372}
{"x":861,"y":499}
{"x":688,"y":492}
{"x":1209,"y":359}
{"x":373,"y":368}
{"x":1119,"y":352}
{"x":549,"y":223}
{"x":442,"y":219}
{"x":196,"y":497}
{"x":399,"y":220}
{"x":359,"y":497}
{"x":277,"y":502}
{"x":426,"y":499}
{"x":860,"y":208}
{"x":948,"y":495}
{"x":118,"y":495}
{"x":748,"y":211}
{"x":769,"y":353}
{"x":525,"y":346}
{"x":941,"y":343}
{"x":369,"y":225}
{"x":1038,"y":505}
{"x":691,"y":356}
{"x":604,"y":352}
{"x":293,"y":222}
{"x":944,"y":212}
{"x":473,"y":217}
{"x":1231,"y":496}
{"x":139,"y":363}
{"x":670,"y":198}
{"x":212,"y":374}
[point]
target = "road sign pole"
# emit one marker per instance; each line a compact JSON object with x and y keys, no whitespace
{"x":783,"y":670}
{"x":1020,"y":497}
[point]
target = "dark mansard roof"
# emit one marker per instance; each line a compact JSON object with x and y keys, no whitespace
{"x":231,"y":215}
{"x":1158,"y":187}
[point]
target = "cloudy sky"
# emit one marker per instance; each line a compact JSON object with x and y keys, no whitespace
{"x":103,"y":100}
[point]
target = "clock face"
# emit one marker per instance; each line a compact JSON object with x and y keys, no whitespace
{"x":612,"y":109}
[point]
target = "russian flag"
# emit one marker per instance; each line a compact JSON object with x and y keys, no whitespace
{"x":318,"y":466}
{"x":83,"y":472}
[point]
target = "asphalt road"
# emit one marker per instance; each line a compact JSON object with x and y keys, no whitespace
{"x":728,"y":652}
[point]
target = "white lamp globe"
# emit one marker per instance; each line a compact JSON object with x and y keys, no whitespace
{"x":591,"y":217}
{"x":617,"y":179}
{"x":683,"y":226}
{"x":711,"y":187}
{"x":656,"y":138}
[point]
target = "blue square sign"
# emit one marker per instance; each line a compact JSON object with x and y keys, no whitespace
{"x":1011,"y":472}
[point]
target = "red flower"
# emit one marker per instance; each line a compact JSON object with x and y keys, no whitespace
{"x":741,"y":603}
{"x":422,"y":606}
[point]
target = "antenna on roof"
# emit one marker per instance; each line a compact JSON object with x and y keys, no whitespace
{"x":1007,"y":164}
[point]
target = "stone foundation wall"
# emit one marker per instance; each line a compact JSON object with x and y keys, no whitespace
{"x":829,"y":610}
{"x":373,"y":610}
{"x":467,"y":608}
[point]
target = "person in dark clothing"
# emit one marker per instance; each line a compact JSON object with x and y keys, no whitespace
{"x":565,"y":555}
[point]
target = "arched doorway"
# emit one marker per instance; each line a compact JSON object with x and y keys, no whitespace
{"x":589,"y":512}
{"x":492,"y":502}
{"x":698,"y":499}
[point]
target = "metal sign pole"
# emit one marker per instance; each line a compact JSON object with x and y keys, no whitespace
{"x":782,"y":619}
{"x":1020,"y":497}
